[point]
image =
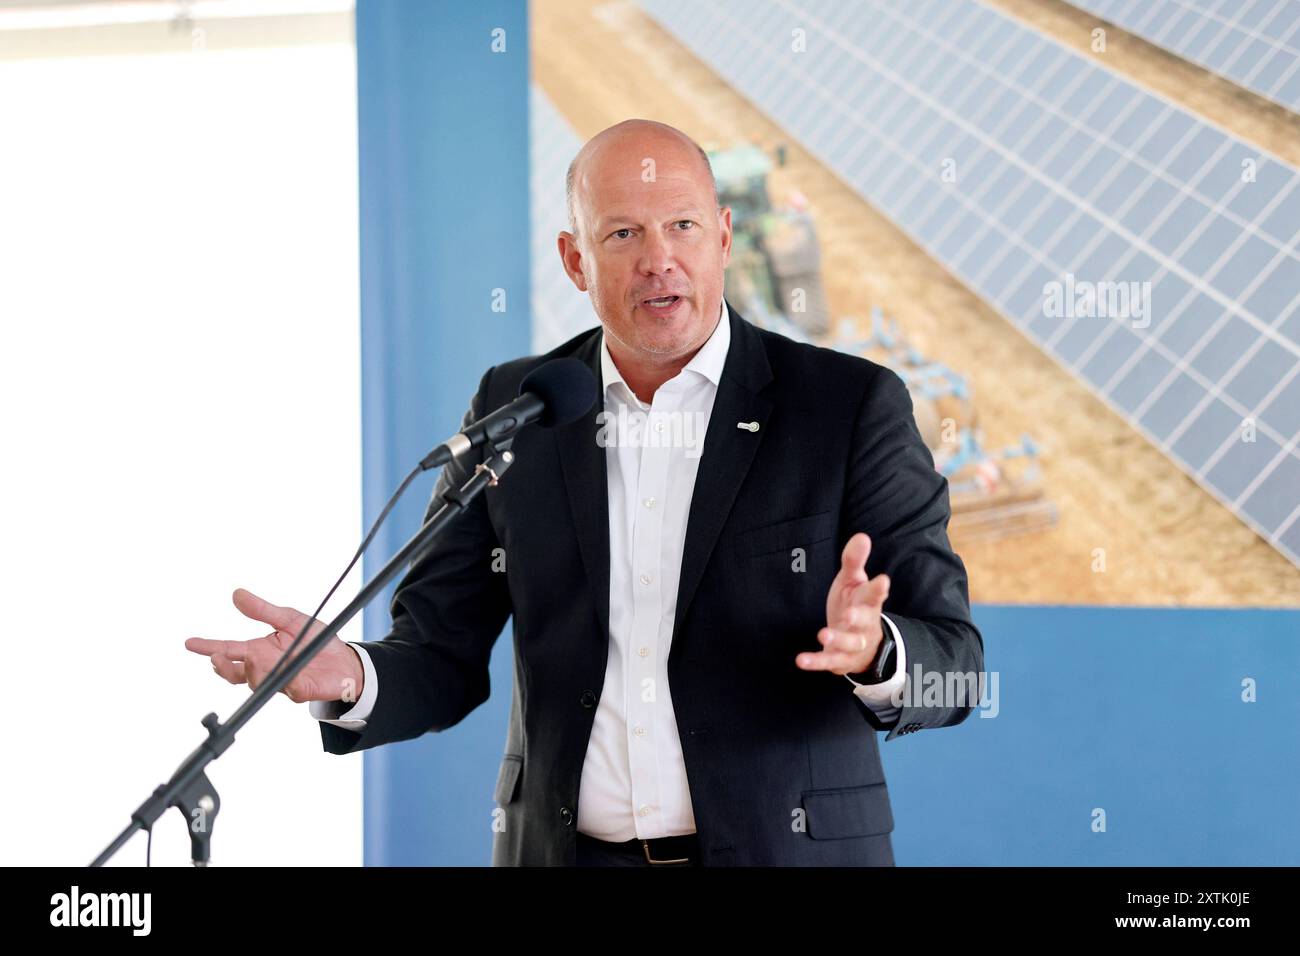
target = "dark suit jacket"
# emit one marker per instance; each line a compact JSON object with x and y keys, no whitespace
{"x":783,"y":764}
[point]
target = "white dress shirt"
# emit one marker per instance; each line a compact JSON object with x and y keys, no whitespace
{"x":634,"y":775}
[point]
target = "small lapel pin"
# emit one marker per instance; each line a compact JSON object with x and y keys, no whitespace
{"x":748,"y":426}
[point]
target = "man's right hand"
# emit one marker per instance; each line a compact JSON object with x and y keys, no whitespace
{"x":333,"y":674}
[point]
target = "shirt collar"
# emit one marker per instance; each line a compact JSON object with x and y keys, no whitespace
{"x":708,"y":361}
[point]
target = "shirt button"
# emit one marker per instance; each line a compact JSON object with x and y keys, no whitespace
{"x":645,"y":579}
{"x":659,"y":426}
{"x":644,"y":811}
{"x":643,"y":651}
{"x":649,"y":502}
{"x":640,"y":731}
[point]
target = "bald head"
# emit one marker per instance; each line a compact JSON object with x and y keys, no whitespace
{"x":629,"y":142}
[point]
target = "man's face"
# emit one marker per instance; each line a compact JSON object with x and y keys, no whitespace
{"x":641,"y":240}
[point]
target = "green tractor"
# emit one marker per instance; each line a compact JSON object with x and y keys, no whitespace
{"x":775,"y":271}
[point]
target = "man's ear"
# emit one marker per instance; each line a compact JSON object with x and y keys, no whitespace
{"x":571,"y":257}
{"x":724,"y":226}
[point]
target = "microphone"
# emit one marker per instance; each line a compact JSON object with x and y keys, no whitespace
{"x":555,"y":393}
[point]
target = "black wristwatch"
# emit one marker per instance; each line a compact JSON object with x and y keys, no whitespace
{"x":883,"y":667}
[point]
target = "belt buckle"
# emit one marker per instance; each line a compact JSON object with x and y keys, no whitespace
{"x":645,"y":846}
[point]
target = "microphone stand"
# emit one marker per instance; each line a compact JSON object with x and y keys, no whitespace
{"x":189,"y":789}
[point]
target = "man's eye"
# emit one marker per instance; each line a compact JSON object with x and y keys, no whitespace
{"x":617,"y":231}
{"x":687,"y":221}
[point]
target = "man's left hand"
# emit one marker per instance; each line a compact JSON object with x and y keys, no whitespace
{"x":853,"y":607}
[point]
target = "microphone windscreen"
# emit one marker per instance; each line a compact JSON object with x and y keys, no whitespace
{"x":566,"y":387}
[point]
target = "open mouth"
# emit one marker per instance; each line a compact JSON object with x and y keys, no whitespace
{"x":662,"y":306}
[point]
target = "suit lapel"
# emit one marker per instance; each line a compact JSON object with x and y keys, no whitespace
{"x":728,"y":453}
{"x":583,"y":463}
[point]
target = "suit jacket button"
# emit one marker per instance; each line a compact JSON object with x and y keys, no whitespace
{"x":588,"y":699}
{"x":566,"y":816}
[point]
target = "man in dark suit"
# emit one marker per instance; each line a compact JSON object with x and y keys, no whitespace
{"x":670,"y":561}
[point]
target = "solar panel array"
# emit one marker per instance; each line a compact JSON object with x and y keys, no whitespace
{"x":560,"y":311}
{"x":1023,"y":167}
{"x":1254,"y":43}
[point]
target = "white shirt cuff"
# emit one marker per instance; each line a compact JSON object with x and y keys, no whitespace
{"x":338,"y":712}
{"x":879,"y":697}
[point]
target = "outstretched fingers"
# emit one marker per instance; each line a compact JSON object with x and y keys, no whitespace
{"x":232,"y":650}
{"x":280,"y":618}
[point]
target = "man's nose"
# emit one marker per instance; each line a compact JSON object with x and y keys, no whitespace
{"x":656,"y":254}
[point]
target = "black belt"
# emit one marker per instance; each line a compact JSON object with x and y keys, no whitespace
{"x":660,"y":851}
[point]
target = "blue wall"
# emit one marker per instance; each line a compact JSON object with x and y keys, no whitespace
{"x":443,"y":129}
{"x":1136,"y":711}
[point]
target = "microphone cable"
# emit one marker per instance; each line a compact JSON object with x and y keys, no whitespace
{"x":281,"y":664}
